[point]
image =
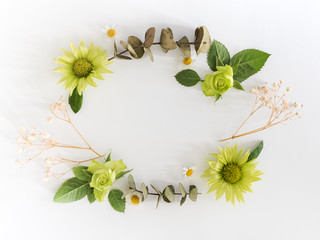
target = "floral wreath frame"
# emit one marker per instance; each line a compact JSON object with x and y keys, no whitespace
{"x":231,"y":174}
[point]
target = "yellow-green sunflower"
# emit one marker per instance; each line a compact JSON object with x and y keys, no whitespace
{"x":231,"y":174}
{"x":82,"y":65}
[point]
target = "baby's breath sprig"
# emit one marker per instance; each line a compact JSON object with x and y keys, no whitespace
{"x":281,"y":110}
{"x":42,"y":140}
{"x":168,"y":194}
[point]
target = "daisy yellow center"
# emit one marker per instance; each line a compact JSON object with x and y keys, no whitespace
{"x":231,"y":173}
{"x":189,"y":172}
{"x":111,"y":33}
{"x":135,"y":199}
{"x":187,"y":61}
{"x":82,"y":67}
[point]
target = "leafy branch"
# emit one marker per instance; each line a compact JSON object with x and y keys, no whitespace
{"x":137,"y":48}
{"x":168,"y":194}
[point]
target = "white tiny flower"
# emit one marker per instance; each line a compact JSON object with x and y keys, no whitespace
{"x":289,"y":89}
{"x":111,"y":32}
{"x":188,"y":172}
{"x":185,"y":62}
{"x":133,"y":197}
{"x":18,"y":139}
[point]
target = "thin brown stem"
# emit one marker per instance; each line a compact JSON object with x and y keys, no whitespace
{"x":155,"y":43}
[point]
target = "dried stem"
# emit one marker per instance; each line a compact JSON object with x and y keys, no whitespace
{"x":42,"y":140}
{"x":155,"y":43}
{"x":280,"y":109}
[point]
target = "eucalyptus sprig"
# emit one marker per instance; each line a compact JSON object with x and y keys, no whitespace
{"x":227,"y":72}
{"x":137,"y":48}
{"x":168,"y":194}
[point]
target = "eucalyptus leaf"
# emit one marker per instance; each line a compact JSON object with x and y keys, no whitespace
{"x":193,"y":193}
{"x":123,"y":57}
{"x":256,"y":152}
{"x":132,"y":184}
{"x":149,"y":37}
{"x":71,"y":190}
{"x":250,"y":62}
{"x":156,"y":189}
{"x":182,"y":201}
{"x":183,"y":190}
{"x":218,"y":55}
{"x":137,"y":46}
{"x":187,"y":77}
{"x":75,"y":101}
{"x":116,"y":201}
{"x":145,"y":192}
{"x":237,"y":85}
{"x":148,"y":51}
{"x":79,"y":173}
{"x":158,"y":201}
{"x":166,"y":40}
{"x":202,"y":40}
{"x":129,"y":48}
{"x":184,"y":46}
{"x":169,"y":194}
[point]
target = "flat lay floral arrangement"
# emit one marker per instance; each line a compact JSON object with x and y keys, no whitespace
{"x":231,"y":171}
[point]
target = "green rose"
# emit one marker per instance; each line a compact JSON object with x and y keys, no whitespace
{"x":104,"y":176}
{"x":218,"y":82}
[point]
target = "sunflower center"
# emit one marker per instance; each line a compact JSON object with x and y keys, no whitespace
{"x":187,"y":61}
{"x":135,"y":199}
{"x":189,"y":172}
{"x":82,"y":67}
{"x":231,"y":173}
{"x":111,"y":33}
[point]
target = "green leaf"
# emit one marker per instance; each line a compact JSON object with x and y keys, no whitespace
{"x":132,"y":184}
{"x":168,"y":194}
{"x":108,"y":159}
{"x":237,"y":85}
{"x":121,"y":174}
{"x":218,"y":96}
{"x":218,"y":55}
{"x":193,"y":193}
{"x":145,"y":191}
{"x":86,"y":172}
{"x":71,"y":190}
{"x":187,"y":77}
{"x":235,"y":67}
{"x":256,"y":152}
{"x":116,"y":201}
{"x":90,"y":195}
{"x":80,"y":174}
{"x":249,"y":62}
{"x":75,"y":101}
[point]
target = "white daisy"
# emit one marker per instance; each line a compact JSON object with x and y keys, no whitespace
{"x":111,"y":32}
{"x":186,"y":62}
{"x":188,"y":172}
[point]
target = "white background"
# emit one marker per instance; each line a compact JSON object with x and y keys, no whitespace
{"x":157,"y":126}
